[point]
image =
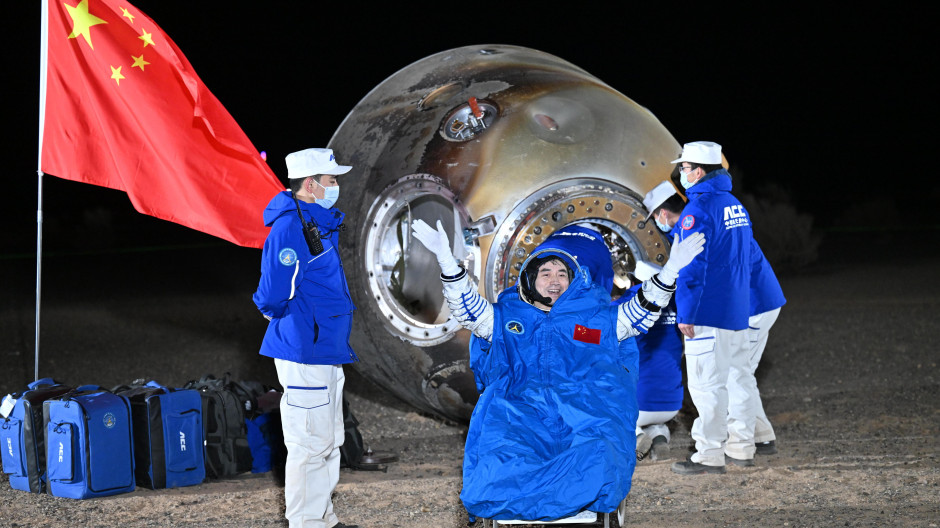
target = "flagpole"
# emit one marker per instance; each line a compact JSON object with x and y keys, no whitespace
{"x":38,"y":276}
{"x":43,"y":60}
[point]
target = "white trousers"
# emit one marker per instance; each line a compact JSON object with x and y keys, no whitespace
{"x":742,"y":431}
{"x":711,"y":358}
{"x":653,"y":423}
{"x":312,"y":419}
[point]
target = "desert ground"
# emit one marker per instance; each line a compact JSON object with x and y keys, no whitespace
{"x":849,"y":380}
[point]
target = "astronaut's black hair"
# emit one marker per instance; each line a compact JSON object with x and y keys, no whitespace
{"x":531,"y":272}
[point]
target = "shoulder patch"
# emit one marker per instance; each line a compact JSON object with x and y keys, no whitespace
{"x":287,"y":256}
{"x":688,"y":221}
{"x":515,"y":327}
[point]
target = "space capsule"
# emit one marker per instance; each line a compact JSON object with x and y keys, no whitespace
{"x":504,"y":145}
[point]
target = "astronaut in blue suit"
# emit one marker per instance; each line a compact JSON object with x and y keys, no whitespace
{"x":553,"y":431}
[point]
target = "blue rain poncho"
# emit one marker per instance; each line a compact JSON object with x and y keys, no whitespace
{"x":553,"y":432}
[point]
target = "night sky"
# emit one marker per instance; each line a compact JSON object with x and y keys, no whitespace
{"x":836,"y":107}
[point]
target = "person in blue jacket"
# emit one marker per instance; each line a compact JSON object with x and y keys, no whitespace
{"x":660,"y":391}
{"x":303,"y":294}
{"x":552,"y":433}
{"x":659,"y":388}
{"x":665,"y":207}
{"x":749,"y":429}
{"x":748,"y":424}
{"x":713,"y":303}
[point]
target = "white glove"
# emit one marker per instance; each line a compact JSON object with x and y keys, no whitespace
{"x":437,"y":243}
{"x":680,"y":256}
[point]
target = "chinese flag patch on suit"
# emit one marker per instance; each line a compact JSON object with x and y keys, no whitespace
{"x":587,"y":335}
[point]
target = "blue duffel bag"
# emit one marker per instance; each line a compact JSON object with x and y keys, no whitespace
{"x":21,"y":434}
{"x":89,"y":444}
{"x":168,"y":437}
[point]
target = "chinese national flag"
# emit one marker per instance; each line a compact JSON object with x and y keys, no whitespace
{"x":587,"y":335}
{"x":123,"y":108}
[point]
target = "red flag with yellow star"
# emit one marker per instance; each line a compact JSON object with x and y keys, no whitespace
{"x":122,"y":108}
{"x":587,"y":335}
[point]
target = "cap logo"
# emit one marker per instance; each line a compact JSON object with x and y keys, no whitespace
{"x":688,"y":222}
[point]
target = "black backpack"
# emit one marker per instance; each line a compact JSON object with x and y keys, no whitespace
{"x":260,"y":403}
{"x":252,"y":395}
{"x":248,"y":393}
{"x":226,"y":444}
{"x":350,"y":453}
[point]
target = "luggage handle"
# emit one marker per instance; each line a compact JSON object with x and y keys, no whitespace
{"x":209,"y":380}
{"x":69,"y":396}
{"x":41,"y":382}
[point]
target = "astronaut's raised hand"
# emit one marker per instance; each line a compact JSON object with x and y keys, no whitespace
{"x":680,"y":256}
{"x":438,"y":243}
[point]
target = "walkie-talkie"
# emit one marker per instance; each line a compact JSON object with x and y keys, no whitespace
{"x":311,"y":233}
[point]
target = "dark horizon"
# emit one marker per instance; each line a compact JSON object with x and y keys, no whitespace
{"x":822,"y":106}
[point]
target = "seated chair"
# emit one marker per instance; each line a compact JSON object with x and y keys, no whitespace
{"x":585,"y":517}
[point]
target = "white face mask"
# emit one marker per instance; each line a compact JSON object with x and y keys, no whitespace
{"x":330,"y":195}
{"x":684,"y":178}
{"x":662,"y":226}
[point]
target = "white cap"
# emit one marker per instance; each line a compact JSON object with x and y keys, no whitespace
{"x":657,"y":197}
{"x":701,"y":152}
{"x":645,"y":271}
{"x":313,"y":161}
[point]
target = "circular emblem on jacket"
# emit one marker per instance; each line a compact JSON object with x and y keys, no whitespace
{"x":287,"y":256}
{"x":109,"y":420}
{"x":688,"y":221}
{"x":515,"y":327}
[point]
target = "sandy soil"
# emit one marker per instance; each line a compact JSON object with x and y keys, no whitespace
{"x":849,"y":379}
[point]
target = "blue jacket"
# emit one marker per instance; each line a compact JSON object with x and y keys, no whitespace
{"x":659,"y":387}
{"x":553,"y":432}
{"x":714,"y":289}
{"x":766,"y":294}
{"x":306,"y":296}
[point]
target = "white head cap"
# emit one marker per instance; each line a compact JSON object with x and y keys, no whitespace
{"x":701,"y":152}
{"x":657,"y":197}
{"x":313,"y":161}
